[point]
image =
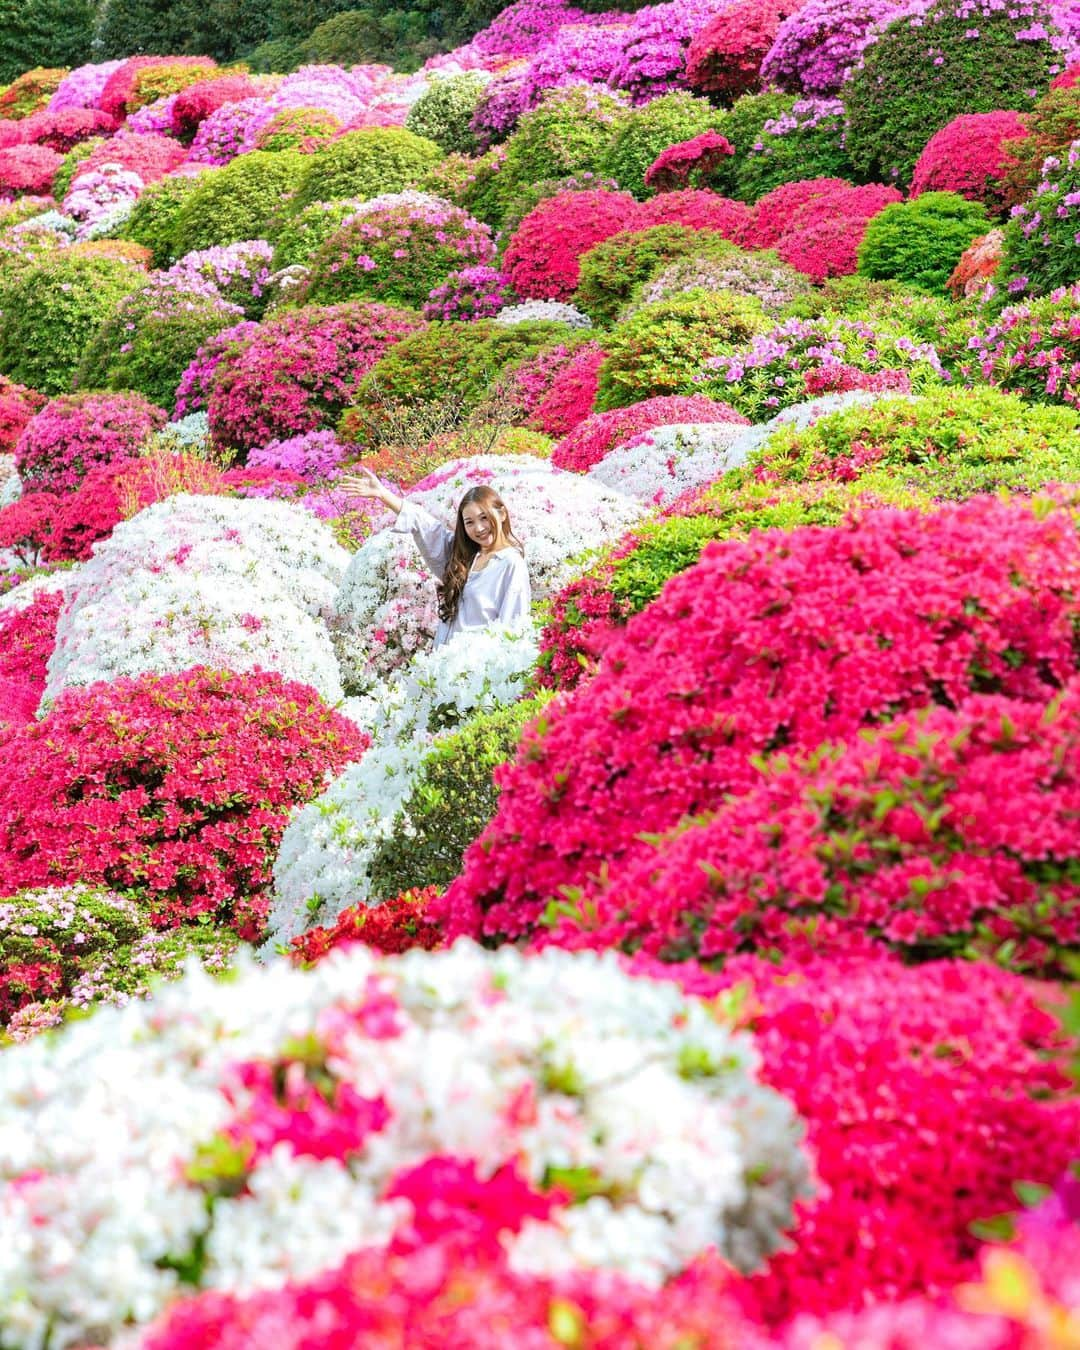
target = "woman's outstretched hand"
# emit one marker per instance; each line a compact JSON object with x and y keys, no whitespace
{"x":363,"y":483}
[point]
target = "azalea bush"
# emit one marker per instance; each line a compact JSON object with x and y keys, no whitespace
{"x":648,"y":131}
{"x":443,"y":113}
{"x":477,"y":292}
{"x":970,"y":155}
{"x":809,"y":202}
{"x":804,"y":139}
{"x":395,"y":248}
{"x":819,"y":41}
{"x":238,"y":201}
{"x":396,"y":925}
{"x":1039,"y":246}
{"x":759,"y":274}
{"x":27,"y":169}
{"x":363,"y":163}
{"x":154,"y":217}
{"x":978,"y":264}
{"x":568,"y":133}
{"x":543,"y":257}
{"x":596,"y":436}
{"x":18,"y":404}
{"x":612,"y":269}
{"x":570,"y":396}
{"x":72,"y":433}
{"x":28,"y":632}
{"x":124,"y":753}
{"x":688,"y":163}
{"x":1031,"y":348}
{"x":661,"y":348}
{"x":764,"y":671}
{"x":920,"y":242}
{"x":725,"y":56}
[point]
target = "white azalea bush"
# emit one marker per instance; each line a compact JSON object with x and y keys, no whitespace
{"x":326,"y":854}
{"x":213,"y":581}
{"x":657,"y":466}
{"x":385,"y":611}
{"x":246,"y":1133}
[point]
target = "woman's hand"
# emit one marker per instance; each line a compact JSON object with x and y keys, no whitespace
{"x":363,"y":483}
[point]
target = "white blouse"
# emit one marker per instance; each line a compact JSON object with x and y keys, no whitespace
{"x":498,"y":593}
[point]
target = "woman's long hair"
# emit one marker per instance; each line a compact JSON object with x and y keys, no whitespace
{"x":464,"y":550}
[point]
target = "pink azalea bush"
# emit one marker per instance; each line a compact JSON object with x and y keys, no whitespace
{"x":969,"y":156}
{"x":74,"y":432}
{"x":27,"y":169}
{"x":27,"y":638}
{"x":314,"y":456}
{"x":477,"y":292}
{"x":542,"y":256}
{"x":193,"y":105}
{"x":725,"y":55}
{"x":18,"y":404}
{"x":1033,"y":348}
{"x":175,"y":786}
{"x":593,"y":438}
{"x":149,"y":155}
{"x":697,"y":209}
{"x":696,"y":158}
{"x":972,"y":598}
{"x":810,"y":202}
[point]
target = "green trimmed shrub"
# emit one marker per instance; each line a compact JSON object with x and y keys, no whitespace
{"x":453,"y":799}
{"x":664,"y":345}
{"x":713,"y":267}
{"x":153,"y":221}
{"x":919,"y":242}
{"x":44,"y":33}
{"x":454,"y":363}
{"x":239,"y":200}
{"x":950,"y":443}
{"x":806,"y":142}
{"x":364,"y":163}
{"x":744,"y":125}
{"x":150,"y":339}
{"x":276,"y":56}
{"x":444,"y":111}
{"x":295,"y":127}
{"x":299,"y":237}
{"x":667,"y":120}
{"x":50,"y":312}
{"x":472,"y":184}
{"x":613,"y":269}
{"x":926,"y":69}
{"x":568,"y":133}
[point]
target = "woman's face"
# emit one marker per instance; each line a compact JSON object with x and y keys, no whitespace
{"x":482,"y":524}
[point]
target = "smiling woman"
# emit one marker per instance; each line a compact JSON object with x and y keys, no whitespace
{"x":479,"y":564}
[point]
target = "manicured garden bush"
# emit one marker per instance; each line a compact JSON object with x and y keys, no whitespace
{"x":804,"y":140}
{"x":304,"y":129}
{"x":725,"y":57}
{"x":28,"y":635}
{"x":396,"y":925}
{"x":152,"y":336}
{"x":443,"y":113}
{"x":395,"y":248}
{"x":829,"y":248}
{"x":238,"y":201}
{"x":570,"y":396}
{"x":149,"y":155}
{"x":62,"y":131}
{"x":17,"y":406}
{"x":688,"y":163}
{"x":697,"y":210}
{"x":52,"y":311}
{"x":760,"y":275}
{"x":112,"y":802}
{"x":593,"y":438}
{"x":543,"y":257}
{"x":614,"y":268}
{"x":1031,"y":348}
{"x":567,"y":134}
{"x":363,"y":163}
{"x":647,"y":131}
{"x":924,"y":70}
{"x":950,"y":443}
{"x":742,"y":126}
{"x":478,"y":292}
{"x":170,"y":77}
{"x":662,"y":348}
{"x":153,"y":220}
{"x":240,"y":273}
{"x":978,"y":265}
{"x":920,"y":242}
{"x":28,"y":169}
{"x":970,"y":155}
{"x":29,"y":92}
{"x":74,"y":432}
{"x":195,"y":104}
{"x":1040,"y":250}
{"x":819,"y":41}
{"x":806,"y":203}
{"x":297,"y":371}
{"x":736,"y":658}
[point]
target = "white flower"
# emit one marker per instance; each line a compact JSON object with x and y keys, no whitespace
{"x":100,"y":1126}
{"x":659,"y":465}
{"x":551,"y":311}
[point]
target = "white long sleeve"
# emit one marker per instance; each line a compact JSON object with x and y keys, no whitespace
{"x":434,"y":539}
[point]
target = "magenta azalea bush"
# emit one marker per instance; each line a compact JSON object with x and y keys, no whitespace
{"x":73,"y":433}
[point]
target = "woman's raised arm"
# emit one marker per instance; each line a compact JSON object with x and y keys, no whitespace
{"x":363,"y":483}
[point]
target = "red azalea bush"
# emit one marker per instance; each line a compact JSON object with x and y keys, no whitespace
{"x":696,"y":159}
{"x":899,"y":838}
{"x":298,"y":371}
{"x":394,"y":926}
{"x":541,"y":259}
{"x":928,"y":1092}
{"x":697,"y":209}
{"x":62,"y":131}
{"x":724,"y":57}
{"x":978,"y":264}
{"x":782,"y":640}
{"x":571,"y":394}
{"x":1068,"y":79}
{"x":593,"y":438}
{"x":799,"y":206}
{"x":27,"y":638}
{"x":194,"y":104}
{"x":969,"y":156}
{"x":121,"y":93}
{"x":528,"y":384}
{"x":178,"y":786}
{"x":74,"y":432}
{"x":28,"y":168}
{"x":828,"y":249}
{"x":838,"y":378}
{"x":17,"y":405}
{"x":149,"y":155}
{"x":26,"y":526}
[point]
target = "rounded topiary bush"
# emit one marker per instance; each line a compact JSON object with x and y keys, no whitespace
{"x":950,"y":443}
{"x":75,"y":432}
{"x":759,"y":274}
{"x":298,"y":129}
{"x":49,"y":313}
{"x":443,"y":112}
{"x":363,"y":163}
{"x":816,"y":45}
{"x":568,"y":133}
{"x":151,"y":337}
{"x":647,"y":131}
{"x":614,"y":268}
{"x":153,"y":220}
{"x":396,"y":248}
{"x":970,"y":155}
{"x":237,"y":201}
{"x":664,"y":346}
{"x":1039,"y":248}
{"x":593,"y":438}
{"x":779,"y":642}
{"x":299,"y":370}
{"x":453,"y":798}
{"x":543,"y":256}
{"x":100,"y":790}
{"x":946,"y":59}
{"x":920,"y":242}
{"x":805,"y":140}
{"x":724,"y":58}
